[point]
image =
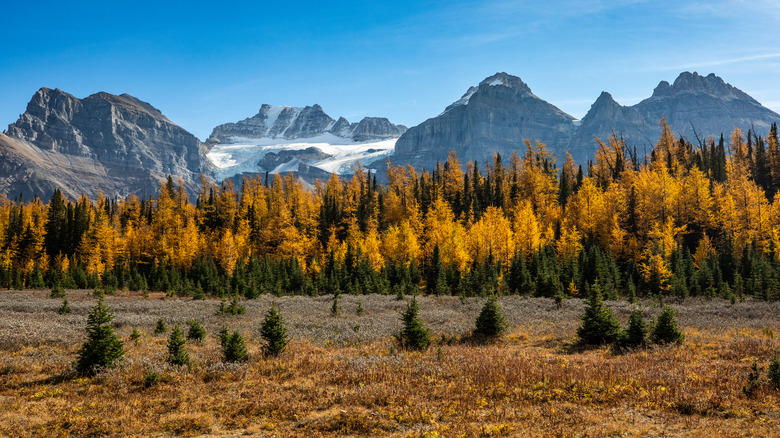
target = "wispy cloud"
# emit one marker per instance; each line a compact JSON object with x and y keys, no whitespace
{"x":715,"y":62}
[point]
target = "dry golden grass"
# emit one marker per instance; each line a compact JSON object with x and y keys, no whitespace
{"x":333,"y":382}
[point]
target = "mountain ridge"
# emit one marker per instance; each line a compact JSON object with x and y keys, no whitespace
{"x":501,"y":112}
{"x":117,"y":143}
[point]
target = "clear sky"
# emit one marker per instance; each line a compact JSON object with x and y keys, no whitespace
{"x":206,"y":63}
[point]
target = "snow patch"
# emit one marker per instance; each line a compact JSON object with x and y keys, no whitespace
{"x":495,"y":82}
{"x":462,"y":101}
{"x":240,"y":155}
{"x":290,"y":166}
{"x":271,"y":116}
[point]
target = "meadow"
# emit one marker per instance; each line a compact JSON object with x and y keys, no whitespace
{"x":345,"y":375}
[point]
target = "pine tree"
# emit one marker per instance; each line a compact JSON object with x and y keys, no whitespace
{"x":177,"y":355}
{"x":57,"y":291}
{"x":599,"y":325}
{"x":359,"y":311}
{"x":223,"y":335}
{"x":334,"y":308}
{"x":490,"y":322}
{"x":160,"y":328}
{"x":102,"y":349}
{"x":414,"y":335}
{"x":774,"y":373}
{"x":65,"y":308}
{"x":273,"y":332}
{"x":636,"y":332}
{"x":196,"y":331}
{"x":234,"y":348}
{"x":666,"y":330}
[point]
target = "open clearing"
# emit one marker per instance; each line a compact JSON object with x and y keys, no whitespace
{"x":341,"y":376}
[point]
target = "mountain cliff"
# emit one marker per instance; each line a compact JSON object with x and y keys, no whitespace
{"x":705,"y":104}
{"x":495,"y":116}
{"x":501,"y":112}
{"x":117,"y":144}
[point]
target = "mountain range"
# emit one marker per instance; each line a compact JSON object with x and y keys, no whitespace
{"x":499,"y":113}
{"x":119,"y":145}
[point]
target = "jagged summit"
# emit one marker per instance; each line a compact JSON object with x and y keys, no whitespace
{"x":692,"y":105}
{"x":494,"y":116}
{"x":286,"y":122}
{"x":711,"y":84}
{"x":119,"y":144}
{"x":506,"y":80}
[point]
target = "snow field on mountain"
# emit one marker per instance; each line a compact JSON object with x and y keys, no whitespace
{"x":243,"y":154}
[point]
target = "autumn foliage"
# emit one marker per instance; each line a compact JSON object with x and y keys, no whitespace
{"x":684,"y":220}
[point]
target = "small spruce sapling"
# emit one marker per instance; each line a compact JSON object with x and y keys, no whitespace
{"x":599,"y":325}
{"x":490,"y":322}
{"x":234,"y":348}
{"x":273,"y":332}
{"x":65,"y":308}
{"x":102,"y":349}
{"x":335,"y":308}
{"x":196,"y":331}
{"x":177,"y":354}
{"x":135,"y":335}
{"x":160,"y":328}
{"x":666,"y":330}
{"x":753,"y":383}
{"x":773,"y":373}
{"x":359,"y":311}
{"x":636,"y":332}
{"x":57,"y":291}
{"x":414,"y":335}
{"x":224,"y":334}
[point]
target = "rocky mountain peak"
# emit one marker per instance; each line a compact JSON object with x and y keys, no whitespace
{"x":604,"y":99}
{"x":711,"y":84}
{"x":506,"y":80}
{"x":120,"y":136}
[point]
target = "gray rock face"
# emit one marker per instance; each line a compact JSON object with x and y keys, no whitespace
{"x":704,"y":103}
{"x":299,"y":123}
{"x":501,"y":112}
{"x":125,"y":145}
{"x":272,"y":160}
{"x":495,"y":116}
{"x":375,"y":128}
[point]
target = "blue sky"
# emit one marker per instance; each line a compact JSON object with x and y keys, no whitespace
{"x":206,"y":63}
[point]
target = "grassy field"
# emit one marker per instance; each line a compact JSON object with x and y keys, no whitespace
{"x":343,"y":376}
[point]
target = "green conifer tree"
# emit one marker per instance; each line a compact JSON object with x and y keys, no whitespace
{"x":160,"y":328}
{"x":177,"y":354}
{"x":635,"y":334}
{"x":666,"y":330}
{"x":490,"y":322}
{"x":774,"y":373}
{"x":224,"y":334}
{"x":273,"y":332}
{"x":599,"y":325}
{"x":65,"y":308}
{"x":234,"y":348}
{"x":414,"y":335}
{"x":335,"y":308}
{"x":102,"y":349}
{"x":196,"y":331}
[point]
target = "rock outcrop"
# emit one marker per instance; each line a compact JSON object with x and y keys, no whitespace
{"x":114,"y":144}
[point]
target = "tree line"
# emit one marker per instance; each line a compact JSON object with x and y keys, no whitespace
{"x":685,"y":219}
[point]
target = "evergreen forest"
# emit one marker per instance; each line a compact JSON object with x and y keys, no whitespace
{"x":683,"y":219}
